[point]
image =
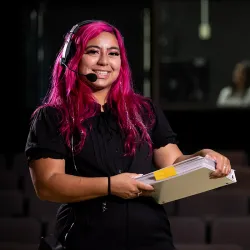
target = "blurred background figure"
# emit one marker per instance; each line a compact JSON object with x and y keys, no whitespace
{"x":238,"y":93}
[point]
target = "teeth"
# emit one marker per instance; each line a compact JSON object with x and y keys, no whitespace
{"x":102,"y":72}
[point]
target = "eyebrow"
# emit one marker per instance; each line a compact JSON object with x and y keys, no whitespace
{"x":95,"y":46}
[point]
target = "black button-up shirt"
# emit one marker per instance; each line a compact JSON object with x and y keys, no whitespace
{"x":107,"y":222}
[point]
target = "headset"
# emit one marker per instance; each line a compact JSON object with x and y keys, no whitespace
{"x":68,"y":42}
{"x":66,"y":52}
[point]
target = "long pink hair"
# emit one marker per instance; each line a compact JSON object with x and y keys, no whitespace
{"x":75,"y":101}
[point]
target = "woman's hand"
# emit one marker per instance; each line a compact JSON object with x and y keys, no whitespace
{"x":127,"y":187}
{"x":223,"y":166}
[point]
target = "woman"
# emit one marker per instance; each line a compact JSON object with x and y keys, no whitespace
{"x":238,"y":94}
{"x":92,"y":137}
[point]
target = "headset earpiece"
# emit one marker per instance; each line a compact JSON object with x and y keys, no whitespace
{"x":69,"y":47}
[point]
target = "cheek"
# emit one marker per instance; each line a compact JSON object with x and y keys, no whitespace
{"x":87,"y":62}
{"x":117,"y":65}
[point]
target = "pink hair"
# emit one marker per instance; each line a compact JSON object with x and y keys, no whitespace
{"x":74,"y":99}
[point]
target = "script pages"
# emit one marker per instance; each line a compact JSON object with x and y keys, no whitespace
{"x":186,"y":178}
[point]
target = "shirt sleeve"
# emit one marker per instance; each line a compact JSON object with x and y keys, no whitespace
{"x":162,"y":133}
{"x":44,"y":138}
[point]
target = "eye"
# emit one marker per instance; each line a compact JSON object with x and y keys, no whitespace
{"x":114,"y":53}
{"x":92,"y":51}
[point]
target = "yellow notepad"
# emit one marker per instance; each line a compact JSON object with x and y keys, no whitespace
{"x":164,"y":173}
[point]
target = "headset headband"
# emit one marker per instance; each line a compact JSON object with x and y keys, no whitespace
{"x":67,"y":44}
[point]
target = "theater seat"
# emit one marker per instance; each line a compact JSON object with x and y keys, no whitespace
{"x":188,"y":230}
{"x":208,"y":247}
{"x":214,"y":203}
{"x":231,"y":231}
{"x":20,"y":230}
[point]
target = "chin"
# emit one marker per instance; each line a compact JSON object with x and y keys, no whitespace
{"x":96,"y":87}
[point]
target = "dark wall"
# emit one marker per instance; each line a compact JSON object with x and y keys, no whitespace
{"x":219,"y":129}
{"x":13,"y":76}
{"x":229,"y":43}
{"x":205,"y":126}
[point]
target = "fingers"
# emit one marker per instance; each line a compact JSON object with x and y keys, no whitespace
{"x":144,"y":187}
{"x":131,"y":187}
{"x":146,"y":193}
{"x":133,"y":195}
{"x":140,"y":189}
{"x":140,"y":185}
{"x":216,"y":174}
{"x":139,"y":193}
{"x":227,"y":167}
{"x":133,"y":175}
{"x":223,"y":166}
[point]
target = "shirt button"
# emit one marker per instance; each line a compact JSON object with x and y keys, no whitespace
{"x":104,"y":207}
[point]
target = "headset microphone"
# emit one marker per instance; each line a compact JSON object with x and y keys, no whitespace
{"x":91,"y":76}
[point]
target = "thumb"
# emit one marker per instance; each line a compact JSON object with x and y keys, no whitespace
{"x":208,"y":156}
{"x":134,"y":175}
{"x":143,"y":186}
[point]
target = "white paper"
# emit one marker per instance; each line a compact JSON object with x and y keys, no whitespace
{"x":192,"y":177}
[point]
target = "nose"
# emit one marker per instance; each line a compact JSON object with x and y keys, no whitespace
{"x":103,"y":59}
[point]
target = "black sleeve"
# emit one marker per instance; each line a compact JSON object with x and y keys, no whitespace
{"x":162,"y":133}
{"x":44,"y":138}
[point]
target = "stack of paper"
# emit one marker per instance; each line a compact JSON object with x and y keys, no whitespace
{"x":184,"y":179}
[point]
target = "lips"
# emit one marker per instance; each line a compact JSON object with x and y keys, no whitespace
{"x":101,"y":73}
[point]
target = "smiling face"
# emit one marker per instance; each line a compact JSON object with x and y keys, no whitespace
{"x":102,"y":57}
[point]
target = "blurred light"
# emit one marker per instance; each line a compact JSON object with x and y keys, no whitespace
{"x":204,"y":31}
{"x":204,"y":27}
{"x":33,"y":15}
